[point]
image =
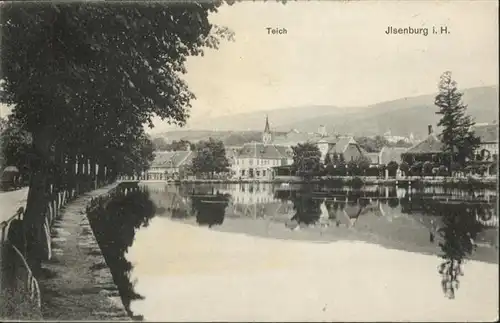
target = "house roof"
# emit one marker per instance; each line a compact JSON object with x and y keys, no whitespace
{"x":340,"y":145}
{"x":285,"y":151}
{"x":429,"y":145}
{"x":388,"y":154}
{"x":488,"y":133}
{"x":292,"y":138}
{"x":374,"y":157}
{"x":261,"y":151}
{"x":172,"y":158}
{"x":232,"y":152}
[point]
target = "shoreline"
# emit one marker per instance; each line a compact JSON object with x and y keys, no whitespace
{"x":76,"y":282}
{"x":351,"y":181}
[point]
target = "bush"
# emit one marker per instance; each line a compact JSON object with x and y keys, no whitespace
{"x":357,"y":182}
{"x":427,"y":168}
{"x":404,"y":167}
{"x":392,"y":167}
{"x":442,"y":170}
{"x":416,"y":169}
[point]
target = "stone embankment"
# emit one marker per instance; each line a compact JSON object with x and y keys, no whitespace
{"x":76,"y":283}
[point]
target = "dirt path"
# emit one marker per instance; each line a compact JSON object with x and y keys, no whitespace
{"x":76,"y":283}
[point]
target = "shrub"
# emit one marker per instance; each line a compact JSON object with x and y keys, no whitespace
{"x":392,"y":167}
{"x":416,"y":169}
{"x":427,"y":168}
{"x":357,"y":182}
{"x":442,"y":170}
{"x":404,"y":167}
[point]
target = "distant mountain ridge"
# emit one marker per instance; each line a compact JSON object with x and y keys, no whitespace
{"x":401,"y":117}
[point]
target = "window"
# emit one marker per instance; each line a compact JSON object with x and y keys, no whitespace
{"x":258,"y":173}
{"x":237,"y":162}
{"x":263,"y":173}
{"x":251,"y":161}
{"x":242,"y":172}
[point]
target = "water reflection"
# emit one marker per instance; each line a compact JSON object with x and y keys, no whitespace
{"x":210,"y":209}
{"x":114,"y":225}
{"x":450,"y":223}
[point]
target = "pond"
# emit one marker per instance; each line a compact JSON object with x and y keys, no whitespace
{"x":209,"y":251}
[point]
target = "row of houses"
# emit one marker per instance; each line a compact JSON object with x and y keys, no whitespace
{"x":262,"y":160}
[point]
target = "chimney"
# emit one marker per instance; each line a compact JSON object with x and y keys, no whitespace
{"x":429,"y":128}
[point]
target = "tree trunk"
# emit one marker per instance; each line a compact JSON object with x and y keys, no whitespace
{"x":37,"y":201}
{"x":100,"y":174}
{"x":71,"y":173}
{"x":93,"y":173}
{"x":79,"y":175}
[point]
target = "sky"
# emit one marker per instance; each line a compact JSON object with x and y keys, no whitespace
{"x":337,"y":53}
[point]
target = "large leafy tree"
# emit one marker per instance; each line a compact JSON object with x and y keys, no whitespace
{"x":15,"y":146}
{"x":306,"y":159}
{"x":85,"y":78}
{"x":458,"y":138}
{"x":210,"y":158}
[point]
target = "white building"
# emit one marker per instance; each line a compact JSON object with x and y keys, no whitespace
{"x":488,"y":135}
{"x":257,"y":159}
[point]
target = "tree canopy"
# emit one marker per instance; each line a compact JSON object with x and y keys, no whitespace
{"x":15,"y":146}
{"x":457,"y":136}
{"x":210,"y":158}
{"x":306,"y":159}
{"x":84,"y":79}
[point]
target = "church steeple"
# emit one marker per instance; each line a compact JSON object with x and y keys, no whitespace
{"x":266,"y":136}
{"x":267,"y":129}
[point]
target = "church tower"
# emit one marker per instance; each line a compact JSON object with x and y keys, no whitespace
{"x":266,"y":136}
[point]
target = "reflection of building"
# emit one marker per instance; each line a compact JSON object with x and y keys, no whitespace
{"x":257,"y":200}
{"x":169,"y":164}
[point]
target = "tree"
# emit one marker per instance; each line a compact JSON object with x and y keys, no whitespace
{"x":306,"y":159}
{"x":458,"y":139}
{"x":392,"y":168}
{"x":160,"y":144}
{"x":341,"y":164}
{"x":328,"y":160}
{"x":85,"y":94}
{"x":352,"y":168}
{"x":210,"y":158}
{"x":363,"y":163}
{"x":372,"y":145}
{"x":416,"y":169}
{"x":15,"y":146}
{"x":181,"y":145}
{"x":327,"y":165}
{"x":402,"y":143}
{"x":405,"y":168}
{"x":140,"y":157}
{"x":427,"y":168}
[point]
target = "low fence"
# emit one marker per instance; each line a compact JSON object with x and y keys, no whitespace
{"x":19,"y":289}
{"x":124,"y":187}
